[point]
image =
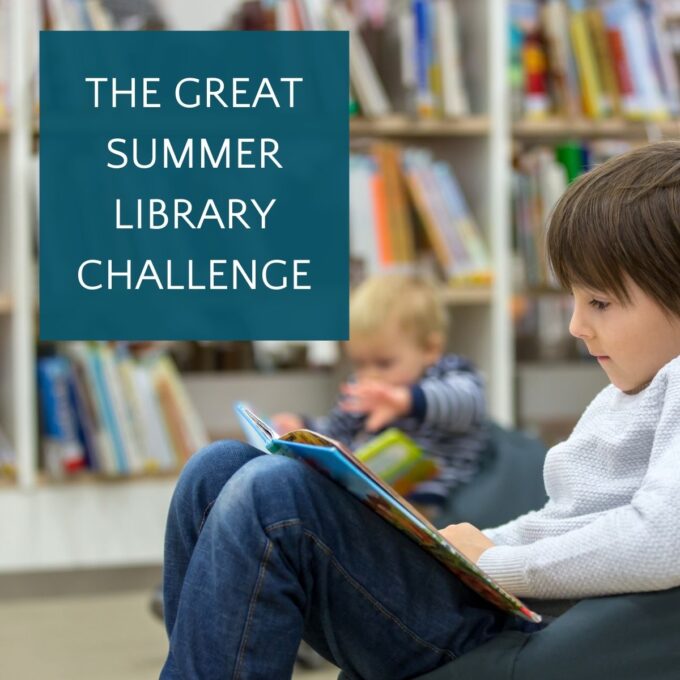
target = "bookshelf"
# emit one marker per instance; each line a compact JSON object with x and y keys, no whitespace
{"x":627,"y":81}
{"x":403,"y":127}
{"x":560,"y":128}
{"x":121,"y":522}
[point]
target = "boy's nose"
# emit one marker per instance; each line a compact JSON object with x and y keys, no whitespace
{"x":578,"y":326}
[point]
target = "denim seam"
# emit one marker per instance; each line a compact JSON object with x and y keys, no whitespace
{"x":251,"y":608}
{"x":205,"y":515}
{"x":358,"y":587}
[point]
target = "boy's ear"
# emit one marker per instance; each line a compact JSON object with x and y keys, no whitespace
{"x":435,"y":345}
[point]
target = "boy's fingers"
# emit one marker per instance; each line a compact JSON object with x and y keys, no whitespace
{"x":376,"y":421}
{"x":353,"y":406}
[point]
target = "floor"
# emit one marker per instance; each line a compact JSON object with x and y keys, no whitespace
{"x":88,"y":637}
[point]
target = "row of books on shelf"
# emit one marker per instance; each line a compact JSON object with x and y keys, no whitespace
{"x":404,"y":202}
{"x":104,"y":410}
{"x":540,"y":177}
{"x":99,"y":15}
{"x":594,"y":58}
{"x":73,"y":15}
{"x":405,"y":55}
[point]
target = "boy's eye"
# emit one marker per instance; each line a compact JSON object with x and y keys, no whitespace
{"x":598,"y":304}
{"x":383,"y":363}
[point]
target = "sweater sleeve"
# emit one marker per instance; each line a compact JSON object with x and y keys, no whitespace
{"x":454,"y":402}
{"x":631,"y":548}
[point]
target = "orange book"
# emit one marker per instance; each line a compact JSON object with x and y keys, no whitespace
{"x":380,"y":210}
{"x":388,"y":157}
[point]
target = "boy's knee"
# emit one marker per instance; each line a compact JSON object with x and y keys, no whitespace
{"x":214,"y":462}
{"x":270,"y":479}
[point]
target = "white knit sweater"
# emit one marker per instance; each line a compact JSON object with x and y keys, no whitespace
{"x":612,"y":521}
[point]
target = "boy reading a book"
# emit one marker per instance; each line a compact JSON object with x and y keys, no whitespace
{"x":403,"y":379}
{"x":262,"y":550}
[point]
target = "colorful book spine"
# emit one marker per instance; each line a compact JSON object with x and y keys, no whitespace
{"x":423,"y":46}
{"x":63,"y":448}
{"x":105,"y":400}
{"x":594,"y":102}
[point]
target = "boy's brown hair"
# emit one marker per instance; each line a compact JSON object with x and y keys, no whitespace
{"x":411,"y":302}
{"x":622,"y":218}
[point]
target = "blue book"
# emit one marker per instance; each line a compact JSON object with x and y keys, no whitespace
{"x":63,"y":448}
{"x":103,"y":396}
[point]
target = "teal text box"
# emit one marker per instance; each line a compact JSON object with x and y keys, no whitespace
{"x":207,"y":269}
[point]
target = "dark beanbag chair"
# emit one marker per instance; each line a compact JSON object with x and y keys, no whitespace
{"x":626,"y":637}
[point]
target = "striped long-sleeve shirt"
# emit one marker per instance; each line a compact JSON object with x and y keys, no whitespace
{"x":446,"y":421}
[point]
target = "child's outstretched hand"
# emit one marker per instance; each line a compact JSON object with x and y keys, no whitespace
{"x":286,"y":422}
{"x":382,"y":403}
{"x":467,"y":539}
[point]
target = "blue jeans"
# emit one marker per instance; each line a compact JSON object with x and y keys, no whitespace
{"x":261,"y":551}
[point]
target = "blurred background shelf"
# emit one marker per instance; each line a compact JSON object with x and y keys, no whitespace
{"x":467,"y":296}
{"x":611,"y":127}
{"x":507,"y":328}
{"x":6,"y":303}
{"x":401,"y":126}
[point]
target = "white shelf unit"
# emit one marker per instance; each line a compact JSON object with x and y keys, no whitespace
{"x":109,"y":523}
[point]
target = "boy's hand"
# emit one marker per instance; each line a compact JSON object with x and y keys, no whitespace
{"x":467,"y":539}
{"x":285,"y":422}
{"x":382,"y":403}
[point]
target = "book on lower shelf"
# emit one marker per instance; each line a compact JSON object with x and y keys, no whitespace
{"x":103,"y":410}
{"x":331,"y":459}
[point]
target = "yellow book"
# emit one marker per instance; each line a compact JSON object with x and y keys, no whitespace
{"x":604,"y":60}
{"x":591,"y":88}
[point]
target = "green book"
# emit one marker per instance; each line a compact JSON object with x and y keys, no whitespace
{"x":397,"y":459}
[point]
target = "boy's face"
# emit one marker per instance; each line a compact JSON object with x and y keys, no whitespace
{"x":392,"y":356}
{"x":631,"y":343}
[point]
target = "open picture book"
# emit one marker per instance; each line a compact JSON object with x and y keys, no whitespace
{"x":335,"y":461}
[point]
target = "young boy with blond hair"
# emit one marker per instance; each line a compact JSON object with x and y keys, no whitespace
{"x":402,"y":378}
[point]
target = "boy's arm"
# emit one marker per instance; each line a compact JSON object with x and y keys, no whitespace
{"x":632,"y":548}
{"x":451,"y":398}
